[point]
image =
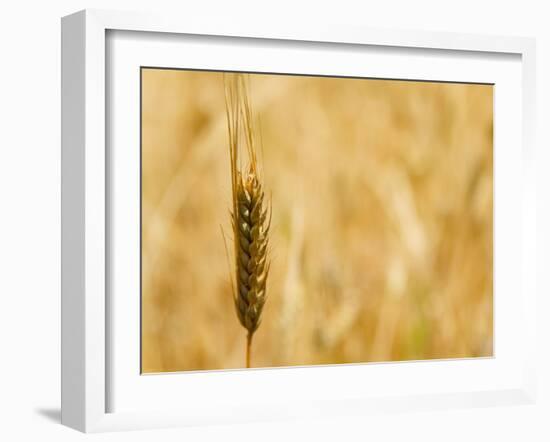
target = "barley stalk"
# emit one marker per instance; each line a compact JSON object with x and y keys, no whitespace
{"x":249,"y":216}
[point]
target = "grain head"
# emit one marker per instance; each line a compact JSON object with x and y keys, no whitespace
{"x":249,"y":217}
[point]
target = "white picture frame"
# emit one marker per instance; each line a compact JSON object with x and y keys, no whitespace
{"x":86,"y":203}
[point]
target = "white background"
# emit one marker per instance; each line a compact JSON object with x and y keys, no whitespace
{"x":30,"y":218}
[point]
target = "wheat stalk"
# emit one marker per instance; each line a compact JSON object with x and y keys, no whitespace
{"x":249,"y":216}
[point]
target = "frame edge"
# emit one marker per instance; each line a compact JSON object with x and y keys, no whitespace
{"x":83,"y":386}
{"x":73,"y":81}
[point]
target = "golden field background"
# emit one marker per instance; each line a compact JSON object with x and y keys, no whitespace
{"x":381,"y":236}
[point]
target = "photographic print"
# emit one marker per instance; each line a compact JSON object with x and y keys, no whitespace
{"x":297,"y":220}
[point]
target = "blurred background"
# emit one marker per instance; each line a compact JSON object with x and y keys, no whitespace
{"x":382,"y":236}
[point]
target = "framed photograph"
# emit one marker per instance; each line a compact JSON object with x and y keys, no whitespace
{"x":263,"y":222}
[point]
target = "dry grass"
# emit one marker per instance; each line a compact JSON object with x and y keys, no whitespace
{"x":381,"y":233}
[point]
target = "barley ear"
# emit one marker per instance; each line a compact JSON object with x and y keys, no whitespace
{"x":249,"y":216}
